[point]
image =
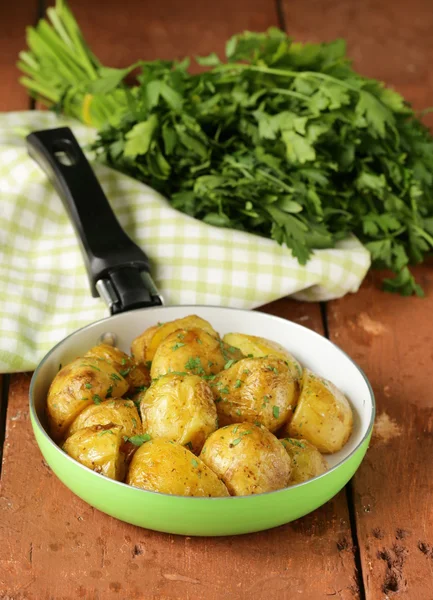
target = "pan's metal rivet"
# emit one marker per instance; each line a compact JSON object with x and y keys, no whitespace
{"x":108,"y":338}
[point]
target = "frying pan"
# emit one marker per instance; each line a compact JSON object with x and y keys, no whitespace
{"x":119,"y":272}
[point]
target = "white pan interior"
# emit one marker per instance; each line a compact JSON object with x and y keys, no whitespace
{"x":311,"y":349}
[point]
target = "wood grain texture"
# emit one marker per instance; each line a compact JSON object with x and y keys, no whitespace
{"x":390,"y":40}
{"x":56,"y":546}
{"x":14,"y":18}
{"x":391,"y":339}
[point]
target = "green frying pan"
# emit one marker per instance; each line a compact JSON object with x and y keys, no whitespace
{"x":119,"y":272}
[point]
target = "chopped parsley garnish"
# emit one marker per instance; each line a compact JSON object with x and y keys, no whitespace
{"x":194,"y":462}
{"x":229,"y":363}
{"x":124,"y":372}
{"x":141,"y":388}
{"x":88,"y":386}
{"x":148,"y":363}
{"x":177,"y":346}
{"x":180,"y":336}
{"x":123,"y":361}
{"x":295,"y":442}
{"x":271,"y":368}
{"x":115,"y":377}
{"x":236,"y":442}
{"x":138,"y":440}
{"x":134,"y":421}
{"x":109,"y":392}
{"x":106,"y":431}
{"x":246,"y":371}
{"x":199,"y":341}
{"x":238,"y":412}
{"x":235,"y":429}
{"x":194,"y":365}
{"x":91,"y":366}
{"x":250,"y":355}
{"x":224,"y":390}
{"x":238,"y":383}
{"x":266,"y":399}
{"x":232,"y":349}
{"x":160,"y":324}
{"x":276,"y":411}
{"x":97,"y":399}
{"x":189,"y":446}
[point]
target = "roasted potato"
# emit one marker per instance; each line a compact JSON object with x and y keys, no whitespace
{"x":249,"y":459}
{"x":117,"y":411}
{"x":78,"y":385}
{"x":144,"y":346}
{"x":307,"y":462}
{"x":192,"y":351}
{"x":137,"y":376}
{"x":163,"y":466}
{"x":253,"y":346}
{"x":257,"y":390}
{"x":98,"y":447}
{"x":179,"y":408}
{"x":323,"y":415}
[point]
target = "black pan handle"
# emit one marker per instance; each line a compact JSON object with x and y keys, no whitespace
{"x":118,"y":269}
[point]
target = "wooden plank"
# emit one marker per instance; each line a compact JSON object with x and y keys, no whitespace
{"x":14,"y":18}
{"x":389,"y":40}
{"x":390,"y":338}
{"x":56,"y":546}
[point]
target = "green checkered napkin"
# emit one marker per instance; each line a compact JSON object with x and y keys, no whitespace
{"x":44,"y":288}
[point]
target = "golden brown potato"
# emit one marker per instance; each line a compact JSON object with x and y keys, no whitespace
{"x":144,"y":346}
{"x":77,"y":385}
{"x":137,"y":376}
{"x":117,"y":411}
{"x":179,"y":408}
{"x":192,"y":351}
{"x":307,"y":462}
{"x":257,"y":390}
{"x":254,"y":346}
{"x":98,"y":447}
{"x":164,"y":466}
{"x":249,"y":459}
{"x":322,"y":416}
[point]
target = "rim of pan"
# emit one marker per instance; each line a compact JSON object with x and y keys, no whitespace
{"x":197,"y":307}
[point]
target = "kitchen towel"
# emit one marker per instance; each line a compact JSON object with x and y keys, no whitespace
{"x":44,"y":287}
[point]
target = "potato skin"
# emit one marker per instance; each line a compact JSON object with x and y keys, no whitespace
{"x":164,"y":466}
{"x":116,"y":411}
{"x":75,"y":387}
{"x":144,"y":346}
{"x":249,"y":459}
{"x":256,"y":390}
{"x":323,"y":415}
{"x":98,"y":447}
{"x":136,"y":376}
{"x":307,"y":462}
{"x":258,"y":346}
{"x":192,"y":351}
{"x":179,"y":408}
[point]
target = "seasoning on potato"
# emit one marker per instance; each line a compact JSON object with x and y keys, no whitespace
{"x":307,"y":462}
{"x":115,"y":411}
{"x":136,"y":376}
{"x":179,"y":408}
{"x":249,"y":459}
{"x":77,"y":385}
{"x":253,"y":346}
{"x":167,"y":467}
{"x":192,"y":351}
{"x":99,"y":448}
{"x":258,"y":390}
{"x":322,"y":416}
{"x":144,"y":346}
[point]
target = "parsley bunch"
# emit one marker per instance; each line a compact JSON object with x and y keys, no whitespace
{"x":283,"y":140}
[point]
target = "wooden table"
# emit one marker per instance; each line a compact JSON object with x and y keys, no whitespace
{"x":375,"y":539}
